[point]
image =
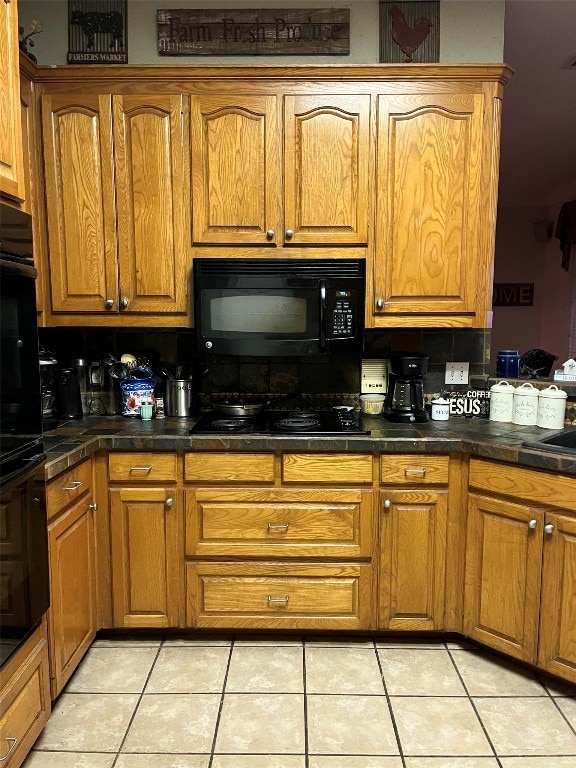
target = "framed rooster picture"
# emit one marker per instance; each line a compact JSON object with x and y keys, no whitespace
{"x":410,"y":32}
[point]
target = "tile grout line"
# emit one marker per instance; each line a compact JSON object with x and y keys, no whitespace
{"x":221,"y":705}
{"x":554,"y":701}
{"x":392,"y":715}
{"x":470,"y":699}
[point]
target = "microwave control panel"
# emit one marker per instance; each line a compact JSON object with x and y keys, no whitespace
{"x":342,"y":323}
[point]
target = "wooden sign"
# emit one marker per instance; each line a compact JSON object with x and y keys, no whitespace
{"x":473,"y":402}
{"x":410,"y":31}
{"x":97,"y":32}
{"x":258,"y":32}
{"x":513,"y":295}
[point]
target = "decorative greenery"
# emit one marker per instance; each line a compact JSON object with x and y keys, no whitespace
{"x":26,"y":40}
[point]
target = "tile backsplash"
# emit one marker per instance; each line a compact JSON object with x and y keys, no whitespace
{"x":317,"y":375}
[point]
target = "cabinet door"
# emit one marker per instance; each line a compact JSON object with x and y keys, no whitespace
{"x":503,"y":570}
{"x":11,"y":158}
{"x":146,"y":557}
{"x":77,"y":138}
{"x":557,"y":648}
{"x":429,"y":196}
{"x":148,"y":141}
{"x":326,"y":156}
{"x":235,"y":169}
{"x":412,"y":559}
{"x":72,"y":614}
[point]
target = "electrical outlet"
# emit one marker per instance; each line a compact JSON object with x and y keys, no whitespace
{"x":456,"y":373}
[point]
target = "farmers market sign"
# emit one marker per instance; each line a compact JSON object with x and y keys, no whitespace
{"x":259,"y":32}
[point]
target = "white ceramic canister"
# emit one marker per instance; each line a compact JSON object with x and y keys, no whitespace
{"x":551,"y":408}
{"x":502,"y":401}
{"x":440,"y":409}
{"x":525,"y":405}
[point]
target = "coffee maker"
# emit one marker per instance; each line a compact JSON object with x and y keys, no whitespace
{"x":405,"y":392}
{"x":49,"y":375}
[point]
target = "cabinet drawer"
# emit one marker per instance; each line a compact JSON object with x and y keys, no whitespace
{"x":349,"y":468}
{"x":278,"y":523}
{"x":278,"y":595}
{"x":417,"y":469}
{"x":68,"y":487}
{"x":142,"y":467}
{"x":229,"y":467}
{"x":25,"y":705}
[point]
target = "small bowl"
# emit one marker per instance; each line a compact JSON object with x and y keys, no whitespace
{"x":372,"y":405}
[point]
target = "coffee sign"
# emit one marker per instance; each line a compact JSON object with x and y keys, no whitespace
{"x":258,"y":32}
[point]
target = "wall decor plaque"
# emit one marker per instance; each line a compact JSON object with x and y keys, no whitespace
{"x":255,"y":32}
{"x":410,"y":31}
{"x":513,"y":295}
{"x":97,"y":32}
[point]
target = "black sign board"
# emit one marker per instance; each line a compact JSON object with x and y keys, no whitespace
{"x":97,"y":32}
{"x":254,"y":32}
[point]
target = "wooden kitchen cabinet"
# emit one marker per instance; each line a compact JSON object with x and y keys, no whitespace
{"x":24,"y":698}
{"x":146,"y":535}
{"x":116,"y":206}
{"x":436,"y":185}
{"x":245,"y":194}
{"x":413,"y":530}
{"x":12,"y":183}
{"x":520,"y":591}
{"x":73,"y":571}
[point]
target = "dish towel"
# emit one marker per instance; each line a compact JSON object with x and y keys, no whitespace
{"x":566,"y":231}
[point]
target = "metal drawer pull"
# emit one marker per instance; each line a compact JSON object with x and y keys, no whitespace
{"x":283,"y":600}
{"x":140,"y":469}
{"x":75,"y":485}
{"x":11,"y":749}
{"x":419,"y":472}
{"x":282,"y":527}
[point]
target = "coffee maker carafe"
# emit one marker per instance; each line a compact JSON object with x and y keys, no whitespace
{"x":49,"y":375}
{"x":405,"y":393}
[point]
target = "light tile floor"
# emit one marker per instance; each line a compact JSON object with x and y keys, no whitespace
{"x":311,"y":702}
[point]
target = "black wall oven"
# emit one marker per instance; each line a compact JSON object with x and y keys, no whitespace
{"x":279,"y":307}
{"x":24,"y":595}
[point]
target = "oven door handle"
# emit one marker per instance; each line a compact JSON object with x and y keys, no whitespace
{"x":322,"y":315}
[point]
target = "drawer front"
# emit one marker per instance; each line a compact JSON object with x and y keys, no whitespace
{"x":229,"y":467}
{"x":415,"y":469}
{"x":143,"y":467}
{"x":270,"y":596}
{"x":523,"y":484}
{"x":333,"y":526}
{"x":349,"y":468}
{"x":68,"y":487}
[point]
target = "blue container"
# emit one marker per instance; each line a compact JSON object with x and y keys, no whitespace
{"x":137,"y":389}
{"x":508,"y":363}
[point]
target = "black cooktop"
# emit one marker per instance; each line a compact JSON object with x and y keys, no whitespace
{"x":339,"y":421}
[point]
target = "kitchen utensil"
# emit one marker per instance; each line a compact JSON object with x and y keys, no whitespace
{"x":248,"y":406}
{"x":502,"y":401}
{"x":525,"y":405}
{"x":551,"y":408}
{"x":508,"y":363}
{"x":179,"y":398}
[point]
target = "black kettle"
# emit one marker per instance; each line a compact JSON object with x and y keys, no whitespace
{"x":69,"y":399}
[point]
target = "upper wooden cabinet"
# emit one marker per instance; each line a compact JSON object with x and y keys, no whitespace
{"x":12,"y":182}
{"x":291,"y":170}
{"x":115,"y":203}
{"x":436,"y":184}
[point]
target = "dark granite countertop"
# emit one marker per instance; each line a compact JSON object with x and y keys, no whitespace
{"x":75,"y":440}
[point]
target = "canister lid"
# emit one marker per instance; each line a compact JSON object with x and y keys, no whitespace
{"x":502,"y":386}
{"x":527,"y":390}
{"x":440,"y":401}
{"x":553,"y":392}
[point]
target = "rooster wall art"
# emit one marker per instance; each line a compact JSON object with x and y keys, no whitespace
{"x":408,"y":38}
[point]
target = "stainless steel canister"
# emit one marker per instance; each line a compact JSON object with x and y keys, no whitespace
{"x":179,"y":398}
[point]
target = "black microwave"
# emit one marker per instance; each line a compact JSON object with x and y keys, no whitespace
{"x":279,"y":307}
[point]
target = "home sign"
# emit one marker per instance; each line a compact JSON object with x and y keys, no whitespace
{"x":257,"y":32}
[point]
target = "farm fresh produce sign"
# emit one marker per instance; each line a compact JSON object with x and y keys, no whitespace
{"x":255,"y":32}
{"x":97,"y":32}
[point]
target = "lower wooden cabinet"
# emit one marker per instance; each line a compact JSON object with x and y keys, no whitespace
{"x":147,"y":561}
{"x":282,"y":595}
{"x":412,"y":559}
{"x":24,"y":699}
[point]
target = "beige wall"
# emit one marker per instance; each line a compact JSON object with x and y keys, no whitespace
{"x":471,"y":31}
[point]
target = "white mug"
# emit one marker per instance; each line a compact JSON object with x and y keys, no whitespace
{"x":440,"y":409}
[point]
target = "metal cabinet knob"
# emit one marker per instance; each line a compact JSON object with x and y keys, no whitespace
{"x":93,"y":506}
{"x":124,"y":303}
{"x":387,"y":504}
{"x":289,"y":234}
{"x":169,"y":502}
{"x":109,"y":303}
{"x":548,"y":528}
{"x":532,"y":524}
{"x":380,"y":303}
{"x":270,"y":234}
